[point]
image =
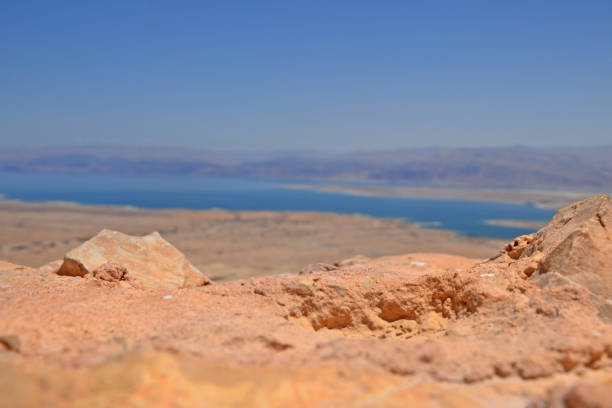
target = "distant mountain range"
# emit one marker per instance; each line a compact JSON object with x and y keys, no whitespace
{"x":505,"y":167}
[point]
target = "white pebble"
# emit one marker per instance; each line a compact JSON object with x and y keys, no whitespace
{"x":487,"y":275}
{"x":168,"y":297}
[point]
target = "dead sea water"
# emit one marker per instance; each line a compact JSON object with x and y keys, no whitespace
{"x":199,"y":192}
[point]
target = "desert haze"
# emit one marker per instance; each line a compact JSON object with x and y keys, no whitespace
{"x":572,"y":168}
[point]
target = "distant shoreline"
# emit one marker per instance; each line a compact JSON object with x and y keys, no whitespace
{"x":536,"y":225}
{"x":546,"y":199}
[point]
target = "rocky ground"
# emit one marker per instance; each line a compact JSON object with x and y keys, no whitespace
{"x":529,"y":327}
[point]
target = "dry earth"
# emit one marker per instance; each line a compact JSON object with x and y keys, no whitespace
{"x":224,"y":244}
{"x":529,"y":327}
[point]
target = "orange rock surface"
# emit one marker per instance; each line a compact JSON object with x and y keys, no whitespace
{"x":528,"y":327}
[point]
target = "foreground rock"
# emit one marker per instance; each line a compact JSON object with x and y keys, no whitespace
{"x":410,"y":330}
{"x":150,"y":262}
{"x":575,"y":248}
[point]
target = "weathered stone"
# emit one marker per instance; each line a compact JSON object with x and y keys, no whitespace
{"x":516,"y":248}
{"x":110,"y":272}
{"x":576,"y":244}
{"x":152,"y":262}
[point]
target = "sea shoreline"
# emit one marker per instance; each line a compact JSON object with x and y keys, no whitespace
{"x":545,"y":199}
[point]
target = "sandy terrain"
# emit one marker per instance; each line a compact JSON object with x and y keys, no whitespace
{"x":530,"y":327}
{"x":552,"y":199}
{"x":225,"y":244}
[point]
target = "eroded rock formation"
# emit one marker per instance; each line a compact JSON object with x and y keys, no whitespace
{"x":529,"y":327}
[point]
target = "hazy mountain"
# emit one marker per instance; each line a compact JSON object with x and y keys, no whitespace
{"x":572,"y":168}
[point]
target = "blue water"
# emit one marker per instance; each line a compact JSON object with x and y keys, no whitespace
{"x":193,"y":192}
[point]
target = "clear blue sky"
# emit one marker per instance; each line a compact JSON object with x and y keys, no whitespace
{"x":337,"y":75}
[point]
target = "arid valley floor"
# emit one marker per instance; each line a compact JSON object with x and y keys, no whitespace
{"x":225,"y":244}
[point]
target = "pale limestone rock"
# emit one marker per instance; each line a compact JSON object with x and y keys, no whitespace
{"x":152,"y":262}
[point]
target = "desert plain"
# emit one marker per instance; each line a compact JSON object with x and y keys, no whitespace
{"x":225,"y":244}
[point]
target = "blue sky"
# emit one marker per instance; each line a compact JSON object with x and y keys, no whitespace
{"x":322,"y":75}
